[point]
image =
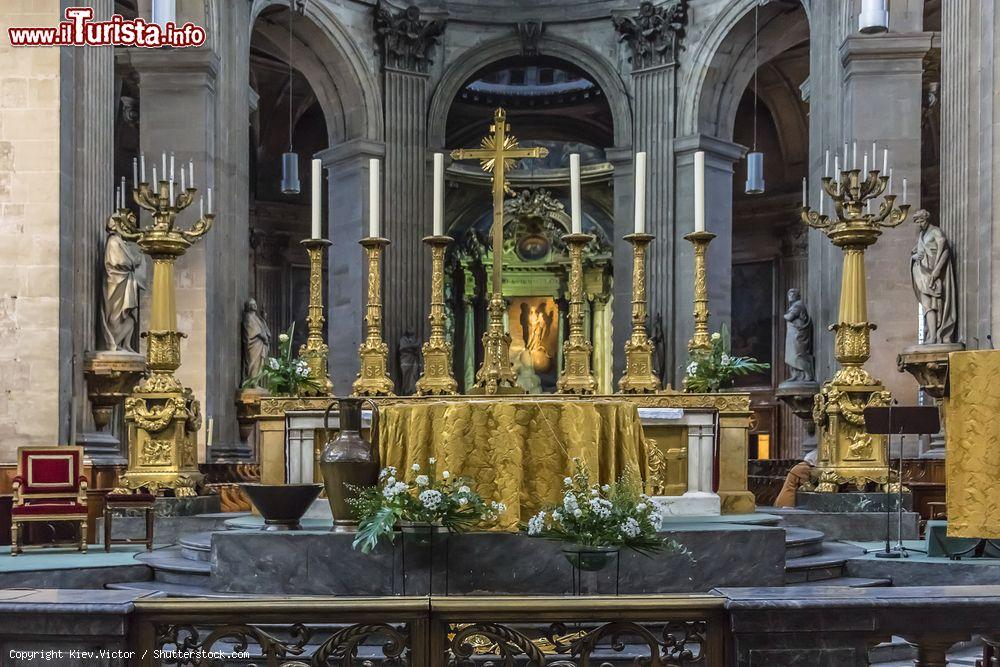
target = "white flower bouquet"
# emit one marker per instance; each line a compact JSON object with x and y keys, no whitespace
{"x":446,"y":500}
{"x":285,"y":375}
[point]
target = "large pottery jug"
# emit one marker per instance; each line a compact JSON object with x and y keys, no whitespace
{"x":348,"y":458}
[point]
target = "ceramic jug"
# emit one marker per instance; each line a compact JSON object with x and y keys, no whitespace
{"x":348,"y":458}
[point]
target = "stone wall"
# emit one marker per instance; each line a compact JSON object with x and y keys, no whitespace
{"x":29,"y":234}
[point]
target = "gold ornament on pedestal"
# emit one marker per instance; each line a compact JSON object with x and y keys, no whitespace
{"x":498,"y":154}
{"x":639,"y":376}
{"x":315,"y":350}
{"x":437,"y":377}
{"x":577,"y":377}
{"x":702,"y":339}
{"x":373,"y":378}
{"x":847,"y":453}
{"x":163,"y":417}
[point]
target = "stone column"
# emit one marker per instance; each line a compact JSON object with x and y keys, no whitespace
{"x":885,"y":72}
{"x":970,"y":157}
{"x":347,"y":223}
{"x":719,"y":159}
{"x":621,"y":300}
{"x":91,"y":118}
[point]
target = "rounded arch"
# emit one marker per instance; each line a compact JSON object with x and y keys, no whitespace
{"x":473,"y":60}
{"x":722,"y":65}
{"x":334,"y":65}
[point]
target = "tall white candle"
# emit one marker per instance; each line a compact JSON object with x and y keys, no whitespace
{"x":826,"y":165}
{"x":142,"y":167}
{"x":201,"y":207}
{"x":699,"y":191}
{"x":171,"y":166}
{"x":210,"y":209}
{"x":438,"y":194}
{"x":904,"y":190}
{"x":844,"y":158}
{"x":163,"y":160}
{"x":118,"y":197}
{"x":889,"y":184}
{"x":640,"y":193}
{"x":874,"y":153}
{"x":836,"y":167}
{"x":374,"y":198}
{"x":317,"y":191}
{"x":865,"y":170}
{"x":854,"y":155}
{"x":885,"y":160}
{"x":574,"y":190}
{"x":805,"y":198}
{"x":191,"y":172}
{"x":122,"y":200}
{"x":183,"y":182}
{"x":156,"y":183}
{"x":170,"y":189}
{"x":821,"y":196}
{"x":135,"y":171}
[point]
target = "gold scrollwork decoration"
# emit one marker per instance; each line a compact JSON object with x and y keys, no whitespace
{"x":152,"y":419}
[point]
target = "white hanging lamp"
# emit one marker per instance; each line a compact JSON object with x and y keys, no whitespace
{"x":874,"y":17}
{"x":755,"y":158}
{"x":290,"y":160}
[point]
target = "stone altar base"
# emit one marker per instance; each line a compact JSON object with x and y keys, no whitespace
{"x":851,"y":502}
{"x":691,"y":504}
{"x":856,"y":526}
{"x":311,"y":562}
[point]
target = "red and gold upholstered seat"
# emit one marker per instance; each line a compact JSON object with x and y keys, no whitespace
{"x":50,"y":486}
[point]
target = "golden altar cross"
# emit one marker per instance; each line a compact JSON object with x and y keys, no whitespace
{"x":498,"y":154}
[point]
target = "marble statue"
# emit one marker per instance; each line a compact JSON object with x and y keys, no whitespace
{"x":932,"y":271}
{"x":798,"y":339}
{"x":120,"y":298}
{"x":409,"y":362}
{"x":527,"y":378}
{"x":658,"y":341}
{"x":256,"y":343}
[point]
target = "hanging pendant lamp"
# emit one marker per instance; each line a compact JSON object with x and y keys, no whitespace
{"x":755,"y":159}
{"x":874,"y":17}
{"x":290,"y":160}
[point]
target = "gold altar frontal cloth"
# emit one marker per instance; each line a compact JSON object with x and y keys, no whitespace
{"x":515,"y":450}
{"x":973,"y":445}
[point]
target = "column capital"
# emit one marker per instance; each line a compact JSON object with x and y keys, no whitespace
{"x":862,"y":53}
{"x":174,"y":62}
{"x":718,"y":151}
{"x":351,"y":151}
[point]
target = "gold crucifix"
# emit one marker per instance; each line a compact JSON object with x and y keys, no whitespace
{"x":499,"y":153}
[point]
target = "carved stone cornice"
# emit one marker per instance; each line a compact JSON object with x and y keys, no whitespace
{"x":654,"y":34}
{"x":405,"y":38}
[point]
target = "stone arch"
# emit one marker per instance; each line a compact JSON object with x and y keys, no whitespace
{"x":334,"y":64}
{"x":473,"y":60}
{"x":722,"y":65}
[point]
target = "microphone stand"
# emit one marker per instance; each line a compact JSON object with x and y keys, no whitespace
{"x":889,"y":552}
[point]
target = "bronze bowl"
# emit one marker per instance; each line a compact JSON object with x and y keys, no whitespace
{"x":282,"y":505}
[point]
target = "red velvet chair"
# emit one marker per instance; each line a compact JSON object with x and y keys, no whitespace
{"x":49,"y":486}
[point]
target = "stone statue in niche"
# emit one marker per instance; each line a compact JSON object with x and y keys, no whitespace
{"x":120,"y":298}
{"x":932,"y":270}
{"x":256,"y":343}
{"x":657,"y":339}
{"x":409,"y":362}
{"x":798,"y":339}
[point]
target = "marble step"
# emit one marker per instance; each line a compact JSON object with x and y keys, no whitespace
{"x":827,"y":564}
{"x":170,"y":566}
{"x":196,"y":546}
{"x":801,"y":542}
{"x":173,"y":590}
{"x":850,"y":582}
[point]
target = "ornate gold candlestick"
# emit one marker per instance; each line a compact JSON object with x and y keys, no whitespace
{"x":847,"y":453}
{"x":437,"y":377}
{"x":639,"y":377}
{"x":576,"y":378}
{"x":701,"y":340}
{"x":373,"y":378}
{"x":315,"y":351}
{"x":163,"y":416}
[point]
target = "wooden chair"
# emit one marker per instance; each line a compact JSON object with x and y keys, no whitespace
{"x":49,"y":487}
{"x":128,"y":501}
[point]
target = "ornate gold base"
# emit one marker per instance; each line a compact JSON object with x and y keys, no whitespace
{"x":437,"y":378}
{"x":496,"y":375}
{"x":577,"y":377}
{"x":163,"y":449}
{"x":373,"y":378}
{"x":315,"y":354}
{"x":639,"y":377}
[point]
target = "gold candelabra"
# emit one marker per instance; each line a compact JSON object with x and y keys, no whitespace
{"x":373,"y":378}
{"x":437,"y":377}
{"x":639,"y":376}
{"x":577,"y":377}
{"x":847,"y":453}
{"x":701,"y":340}
{"x":315,"y":351}
{"x":163,"y":416}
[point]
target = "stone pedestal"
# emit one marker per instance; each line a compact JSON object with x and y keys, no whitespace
{"x":798,"y":396}
{"x":110,"y":376}
{"x":928,"y":364}
{"x":852,"y":502}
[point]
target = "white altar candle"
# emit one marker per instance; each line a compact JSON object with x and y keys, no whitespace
{"x":156,"y":183}
{"x":826,"y":164}
{"x":889,"y":184}
{"x":805,"y":198}
{"x":373,"y":198}
{"x":904,"y":189}
{"x":438,"y":194}
{"x":163,"y":163}
{"x":821,"y":195}
{"x":574,"y":190}
{"x":885,"y":160}
{"x":183,"y":182}
{"x":210,"y":201}
{"x":640,"y":193}
{"x":122,"y":200}
{"x":854,"y":155}
{"x":135,"y":171}
{"x":118,"y":197}
{"x":699,"y":191}
{"x":317,"y":187}
{"x":865,"y":170}
{"x":874,"y":154}
{"x":171,"y":166}
{"x":201,"y":207}
{"x":142,"y":167}
{"x":191,"y":172}
{"x":844,"y":157}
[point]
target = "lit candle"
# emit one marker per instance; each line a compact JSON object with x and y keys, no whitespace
{"x":438,"y":194}
{"x":373,"y":198}
{"x":317,"y":185}
{"x":135,"y":171}
{"x":804,"y":197}
{"x":210,"y":201}
{"x":640,"y":193}
{"x":699,"y":191}
{"x":885,"y":160}
{"x":574,"y":190}
{"x":826,"y":164}
{"x":142,"y":167}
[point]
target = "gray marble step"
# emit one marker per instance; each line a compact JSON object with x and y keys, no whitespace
{"x":170,"y":566}
{"x":827,"y":564}
{"x":173,"y":590}
{"x":850,"y":582}
{"x":801,"y":542}
{"x":196,"y":546}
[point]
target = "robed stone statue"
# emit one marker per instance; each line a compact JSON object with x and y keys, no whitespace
{"x":409,"y":363}
{"x":798,"y":339}
{"x":120,"y":298}
{"x":256,"y":343}
{"x":932,"y":270}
